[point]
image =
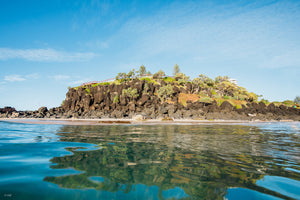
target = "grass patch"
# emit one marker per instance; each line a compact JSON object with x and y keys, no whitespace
{"x":206,"y":99}
{"x":150,"y":80}
{"x":288,"y":103}
{"x":104,"y":83}
{"x":169,"y":79}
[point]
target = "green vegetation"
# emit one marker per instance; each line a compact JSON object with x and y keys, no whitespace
{"x":131,"y":93}
{"x":176,"y":70}
{"x":288,"y":103}
{"x":169,"y":79}
{"x":219,"y":89}
{"x":165,"y":92}
{"x":265,"y":101}
{"x":88,"y":90}
{"x":150,"y":80}
{"x":116,"y":99}
{"x":142,"y":70}
{"x":146,"y":88}
{"x":104,"y":83}
{"x":297,"y":100}
{"x":159,"y":75}
{"x":206,"y":99}
{"x":182,"y":78}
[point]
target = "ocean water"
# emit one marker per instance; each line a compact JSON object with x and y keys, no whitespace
{"x":256,"y":161}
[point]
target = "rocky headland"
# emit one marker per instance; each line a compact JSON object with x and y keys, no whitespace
{"x":164,"y":98}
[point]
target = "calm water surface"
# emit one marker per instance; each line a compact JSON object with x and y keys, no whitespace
{"x":260,"y":161}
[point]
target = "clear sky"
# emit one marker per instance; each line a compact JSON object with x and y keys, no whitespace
{"x":48,"y":45}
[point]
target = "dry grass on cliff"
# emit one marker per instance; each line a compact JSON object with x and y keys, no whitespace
{"x":183,"y":98}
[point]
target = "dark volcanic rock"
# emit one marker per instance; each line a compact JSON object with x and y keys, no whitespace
{"x":42,"y":110}
{"x":143,"y":100}
{"x":103,"y":101}
{"x":7,"y":109}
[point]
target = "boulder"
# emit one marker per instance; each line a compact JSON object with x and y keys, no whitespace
{"x":138,"y":117}
{"x":7,"y":109}
{"x":43,"y":110}
{"x":143,"y":100}
{"x":226,"y":106}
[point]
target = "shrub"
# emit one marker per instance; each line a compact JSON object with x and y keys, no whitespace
{"x":252,"y":97}
{"x":226,"y":97}
{"x":297,"y":100}
{"x":182,"y":82}
{"x":206,"y":80}
{"x":146,"y":88}
{"x":220,"y":79}
{"x":159,"y":75}
{"x":116,"y":99}
{"x":239,"y":106}
{"x":181,"y":75}
{"x":165,"y":92}
{"x":265,"y":101}
{"x":131,"y":93}
{"x":213,"y":92}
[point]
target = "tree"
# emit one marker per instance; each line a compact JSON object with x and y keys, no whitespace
{"x":205,"y":79}
{"x":220,"y":79}
{"x":142,"y":70}
{"x":121,"y":76}
{"x":181,"y":78}
{"x":131,"y":74}
{"x":176,"y":70}
{"x":181,"y":75}
{"x":297,"y":100}
{"x":159,"y":75}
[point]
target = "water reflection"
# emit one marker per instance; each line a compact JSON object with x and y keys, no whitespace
{"x":181,"y":162}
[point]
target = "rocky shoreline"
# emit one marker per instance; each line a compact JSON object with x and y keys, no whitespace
{"x":133,"y":121}
{"x":100,"y":102}
{"x":167,"y":112}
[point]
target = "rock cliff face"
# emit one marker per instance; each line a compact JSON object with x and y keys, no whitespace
{"x":142,"y":100}
{"x":107,"y":101}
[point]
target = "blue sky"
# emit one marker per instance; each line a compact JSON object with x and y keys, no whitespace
{"x":46,"y":46}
